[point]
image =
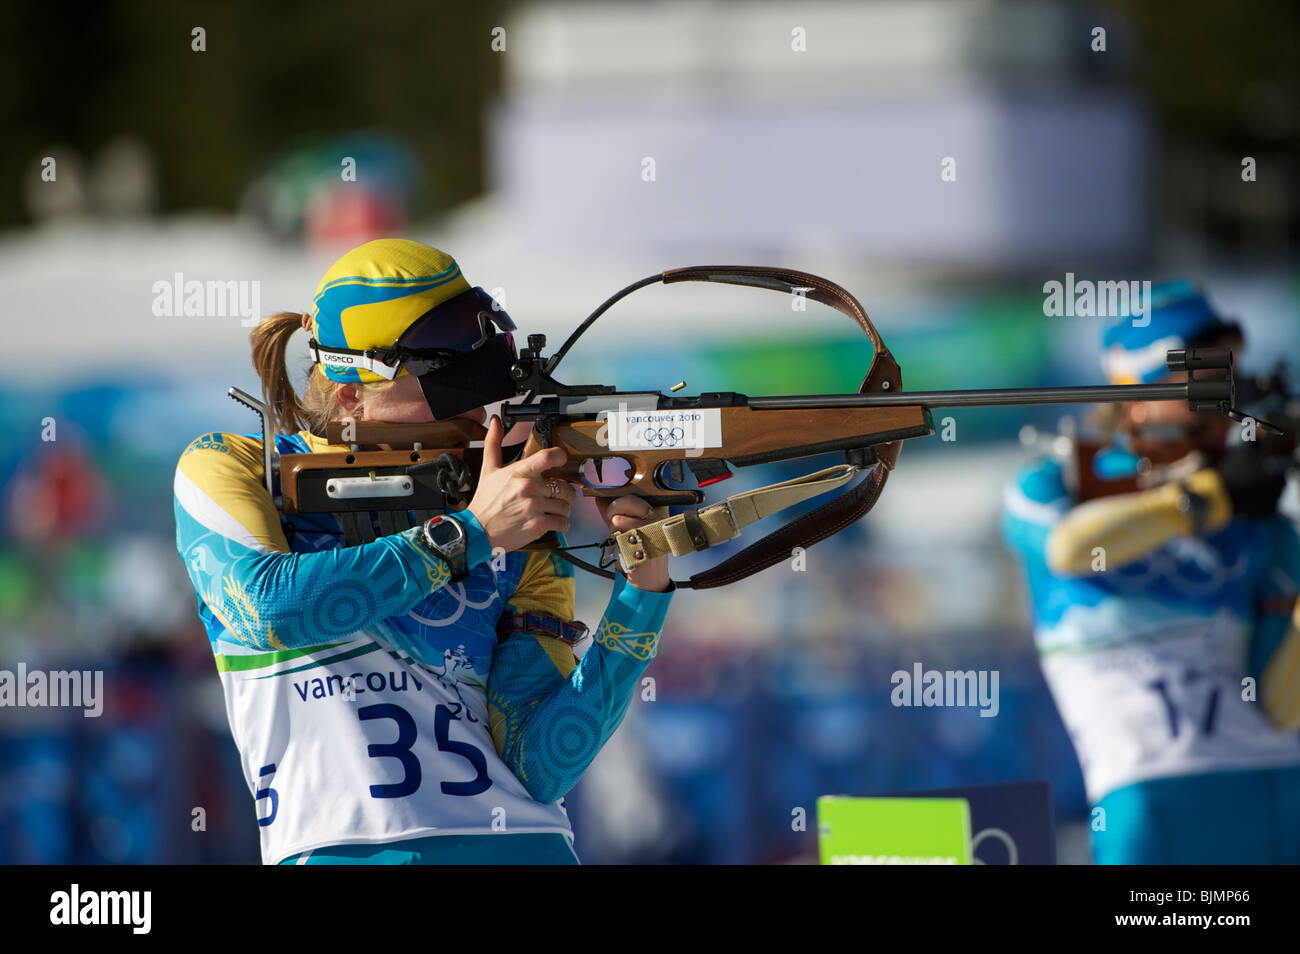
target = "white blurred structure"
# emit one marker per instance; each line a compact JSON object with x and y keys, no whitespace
{"x":817,"y":130}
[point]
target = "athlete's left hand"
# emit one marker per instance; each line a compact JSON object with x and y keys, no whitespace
{"x":1254,"y":481}
{"x":627,"y":513}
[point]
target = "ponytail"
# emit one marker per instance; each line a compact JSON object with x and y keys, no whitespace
{"x":317,"y":407}
{"x":270,"y":341}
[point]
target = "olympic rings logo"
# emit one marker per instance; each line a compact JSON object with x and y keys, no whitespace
{"x":663,"y":436}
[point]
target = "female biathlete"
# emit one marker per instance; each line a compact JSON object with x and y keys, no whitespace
{"x":412,"y":699}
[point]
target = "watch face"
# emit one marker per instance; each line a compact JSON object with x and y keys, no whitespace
{"x":444,"y":532}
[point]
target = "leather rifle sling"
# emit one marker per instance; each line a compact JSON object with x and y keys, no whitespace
{"x":882,"y":375}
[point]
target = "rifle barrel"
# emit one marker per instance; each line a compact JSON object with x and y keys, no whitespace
{"x":982,"y":398}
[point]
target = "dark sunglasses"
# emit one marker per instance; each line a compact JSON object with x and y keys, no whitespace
{"x":458,"y":325}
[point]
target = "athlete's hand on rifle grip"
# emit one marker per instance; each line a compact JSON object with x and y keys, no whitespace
{"x":627,"y":513}
{"x":514,"y":503}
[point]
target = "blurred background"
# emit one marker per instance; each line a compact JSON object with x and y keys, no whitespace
{"x":560,"y":151}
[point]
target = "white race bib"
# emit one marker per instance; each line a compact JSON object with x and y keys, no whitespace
{"x":355,"y":746}
{"x":1164,"y":707}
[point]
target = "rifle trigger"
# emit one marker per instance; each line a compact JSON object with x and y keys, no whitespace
{"x":677,"y":471}
{"x":599,"y":464}
{"x":709,"y":471}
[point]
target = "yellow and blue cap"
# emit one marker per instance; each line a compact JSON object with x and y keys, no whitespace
{"x":371,"y":296}
{"x":1179,"y":315}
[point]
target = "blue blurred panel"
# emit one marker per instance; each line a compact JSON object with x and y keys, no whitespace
{"x":698,"y":750}
{"x":127,"y":762}
{"x":121,"y":788}
{"x":37,"y":789}
{"x":807,"y":743}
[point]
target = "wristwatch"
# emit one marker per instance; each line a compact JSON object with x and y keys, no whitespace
{"x":446,"y":537}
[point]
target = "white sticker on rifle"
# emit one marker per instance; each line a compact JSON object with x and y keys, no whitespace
{"x":664,"y":430}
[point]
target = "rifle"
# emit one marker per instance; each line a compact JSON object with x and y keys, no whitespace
{"x":1097,"y":465}
{"x":661,"y":436}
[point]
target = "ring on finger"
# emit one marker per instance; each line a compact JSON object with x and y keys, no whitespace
{"x":554,"y":487}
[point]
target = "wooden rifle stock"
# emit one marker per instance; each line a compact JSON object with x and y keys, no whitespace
{"x":750,"y":436}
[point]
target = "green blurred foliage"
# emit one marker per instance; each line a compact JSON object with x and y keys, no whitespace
{"x":273,"y":75}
